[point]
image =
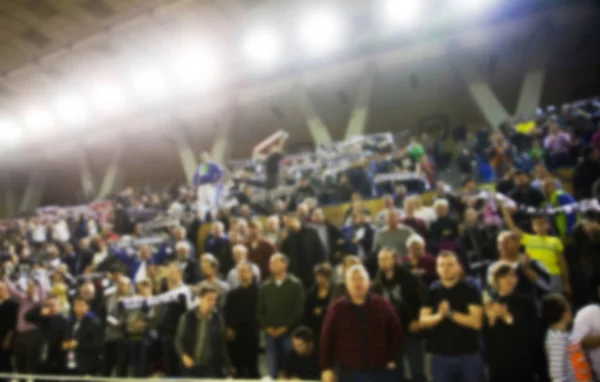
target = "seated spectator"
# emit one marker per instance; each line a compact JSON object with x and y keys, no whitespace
{"x":427,"y":214}
{"x":557,"y":144}
{"x":476,"y":241}
{"x":388,"y":203}
{"x":526,"y":195}
{"x":564,"y":222}
{"x":444,"y":232}
{"x":557,"y":313}
{"x":272,"y":230}
{"x":510,"y":320}
{"x":444,"y":191}
{"x":358,"y":237}
{"x":357,"y":205}
{"x":541,"y":173}
{"x":537,"y":152}
{"x":586,"y":173}
{"x":410,"y":220}
{"x":399,"y":195}
{"x":301,"y":363}
{"x":330,"y":235}
{"x":500,"y":155}
{"x":240,"y":255}
{"x":421,"y":264}
{"x":190,"y":267}
{"x":303,"y":211}
{"x":344,"y":189}
{"x":304,"y":191}
{"x":394,"y":235}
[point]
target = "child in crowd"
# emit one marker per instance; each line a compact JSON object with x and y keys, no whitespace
{"x":557,"y":313}
{"x":546,"y":249}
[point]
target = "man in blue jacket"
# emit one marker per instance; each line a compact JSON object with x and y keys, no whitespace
{"x":207,"y":180}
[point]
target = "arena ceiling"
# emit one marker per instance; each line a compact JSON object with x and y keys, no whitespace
{"x":47,"y":46}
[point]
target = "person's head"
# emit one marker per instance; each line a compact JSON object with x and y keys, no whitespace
{"x":302,"y":210}
{"x":204,"y":157}
{"x":278,"y":264}
{"x":87,"y":291}
{"x":441,"y":208}
{"x":178,"y":232}
{"x":318,"y":217}
{"x":386,"y":258}
{"x":279,"y":206}
{"x":471,"y":216}
{"x":415,"y":244}
{"x":303,"y":340}
{"x":343,"y":179}
{"x":448,"y":268}
{"x":409,"y":206}
{"x":245,"y":274}
{"x":245,"y":211}
{"x":183,"y":250}
{"x":304,"y":181}
{"x":540,"y":224}
{"x":207,"y":299}
{"x":255,"y":229}
{"x":124,"y":286}
{"x":52,"y":303}
{"x":556,"y":311}
{"x":240,"y":253}
{"x":388,"y":201}
{"x":393,"y":220}
{"x":174,"y":276}
{"x":521,"y":179}
{"x":241,"y":226}
{"x":358,"y":217}
{"x":272,"y":224}
{"x":292,"y":222}
{"x":553,"y":127}
{"x":441,"y":188}
{"x":400,"y":190}
{"x":218,"y":229}
{"x":508,"y":245}
{"x":144,"y":287}
{"x":470,"y":185}
{"x":52,"y":251}
{"x":209,"y":265}
{"x":145,"y":252}
{"x":323,"y":273}
{"x":357,"y":282}
{"x":348,"y":262}
{"x":548,"y":187}
{"x":356,"y":197}
{"x":505,"y":279}
{"x":80,"y":307}
{"x":3,"y":291}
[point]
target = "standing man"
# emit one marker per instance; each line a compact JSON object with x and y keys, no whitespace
{"x":210,"y":271}
{"x":83,"y":343}
{"x":200,"y":339}
{"x":8,"y":322}
{"x":453,"y":315}
{"x":171,"y":312}
{"x":279,"y":311}
{"x":242,"y":323}
{"x":361,"y":334}
{"x":207,"y":180}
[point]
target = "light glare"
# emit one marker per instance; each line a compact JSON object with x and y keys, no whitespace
{"x":149,"y":83}
{"x":71,"y":110}
{"x":108,"y":97}
{"x":473,"y":7}
{"x":11,"y":134}
{"x":195,"y":67}
{"x":38,"y":120}
{"x":321,"y":32}
{"x":404,"y":13}
{"x":263,"y":47}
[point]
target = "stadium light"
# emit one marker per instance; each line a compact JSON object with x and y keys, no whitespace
{"x":107,"y":97}
{"x":472,"y":7}
{"x":148,"y":83}
{"x":195,"y":66}
{"x":402,"y":14}
{"x":71,"y":110}
{"x":321,"y":31}
{"x":263,"y":47}
{"x":11,"y":135}
{"x":38,"y":120}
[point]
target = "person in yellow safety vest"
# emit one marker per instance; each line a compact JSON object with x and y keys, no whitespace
{"x":564,"y":221}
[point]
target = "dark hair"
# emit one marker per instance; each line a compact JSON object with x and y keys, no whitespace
{"x":502,"y":271}
{"x":304,"y":333}
{"x":539,"y":216}
{"x":467,"y":180}
{"x":554,"y":307}
{"x":206,"y":289}
{"x":323,"y":269}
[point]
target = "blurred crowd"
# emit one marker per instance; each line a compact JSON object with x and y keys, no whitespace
{"x":496,"y":286}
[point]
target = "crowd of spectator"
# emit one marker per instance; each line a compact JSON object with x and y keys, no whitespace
{"x":485,"y":287}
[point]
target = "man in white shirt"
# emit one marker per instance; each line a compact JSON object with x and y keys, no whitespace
{"x":586,"y":332}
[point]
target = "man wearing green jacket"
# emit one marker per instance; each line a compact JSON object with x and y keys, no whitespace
{"x":280,"y":309}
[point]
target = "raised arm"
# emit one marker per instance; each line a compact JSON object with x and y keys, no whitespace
{"x":506,"y":213}
{"x":14,"y":291}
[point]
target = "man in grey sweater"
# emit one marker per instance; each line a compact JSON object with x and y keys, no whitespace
{"x":280,"y":309}
{"x":394,"y":235}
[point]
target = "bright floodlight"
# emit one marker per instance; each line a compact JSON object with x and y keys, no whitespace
{"x":263,"y":46}
{"x":11,"y":134}
{"x":402,"y":13}
{"x":107,"y":97}
{"x":38,"y":120}
{"x":472,"y":7}
{"x":71,"y":110}
{"x":321,"y":31}
{"x":195,"y":67}
{"x":148,"y":83}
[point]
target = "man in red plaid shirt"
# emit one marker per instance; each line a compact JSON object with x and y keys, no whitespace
{"x":361,"y":334}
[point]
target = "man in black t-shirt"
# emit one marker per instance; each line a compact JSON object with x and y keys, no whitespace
{"x":453,"y":315}
{"x":301,"y":363}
